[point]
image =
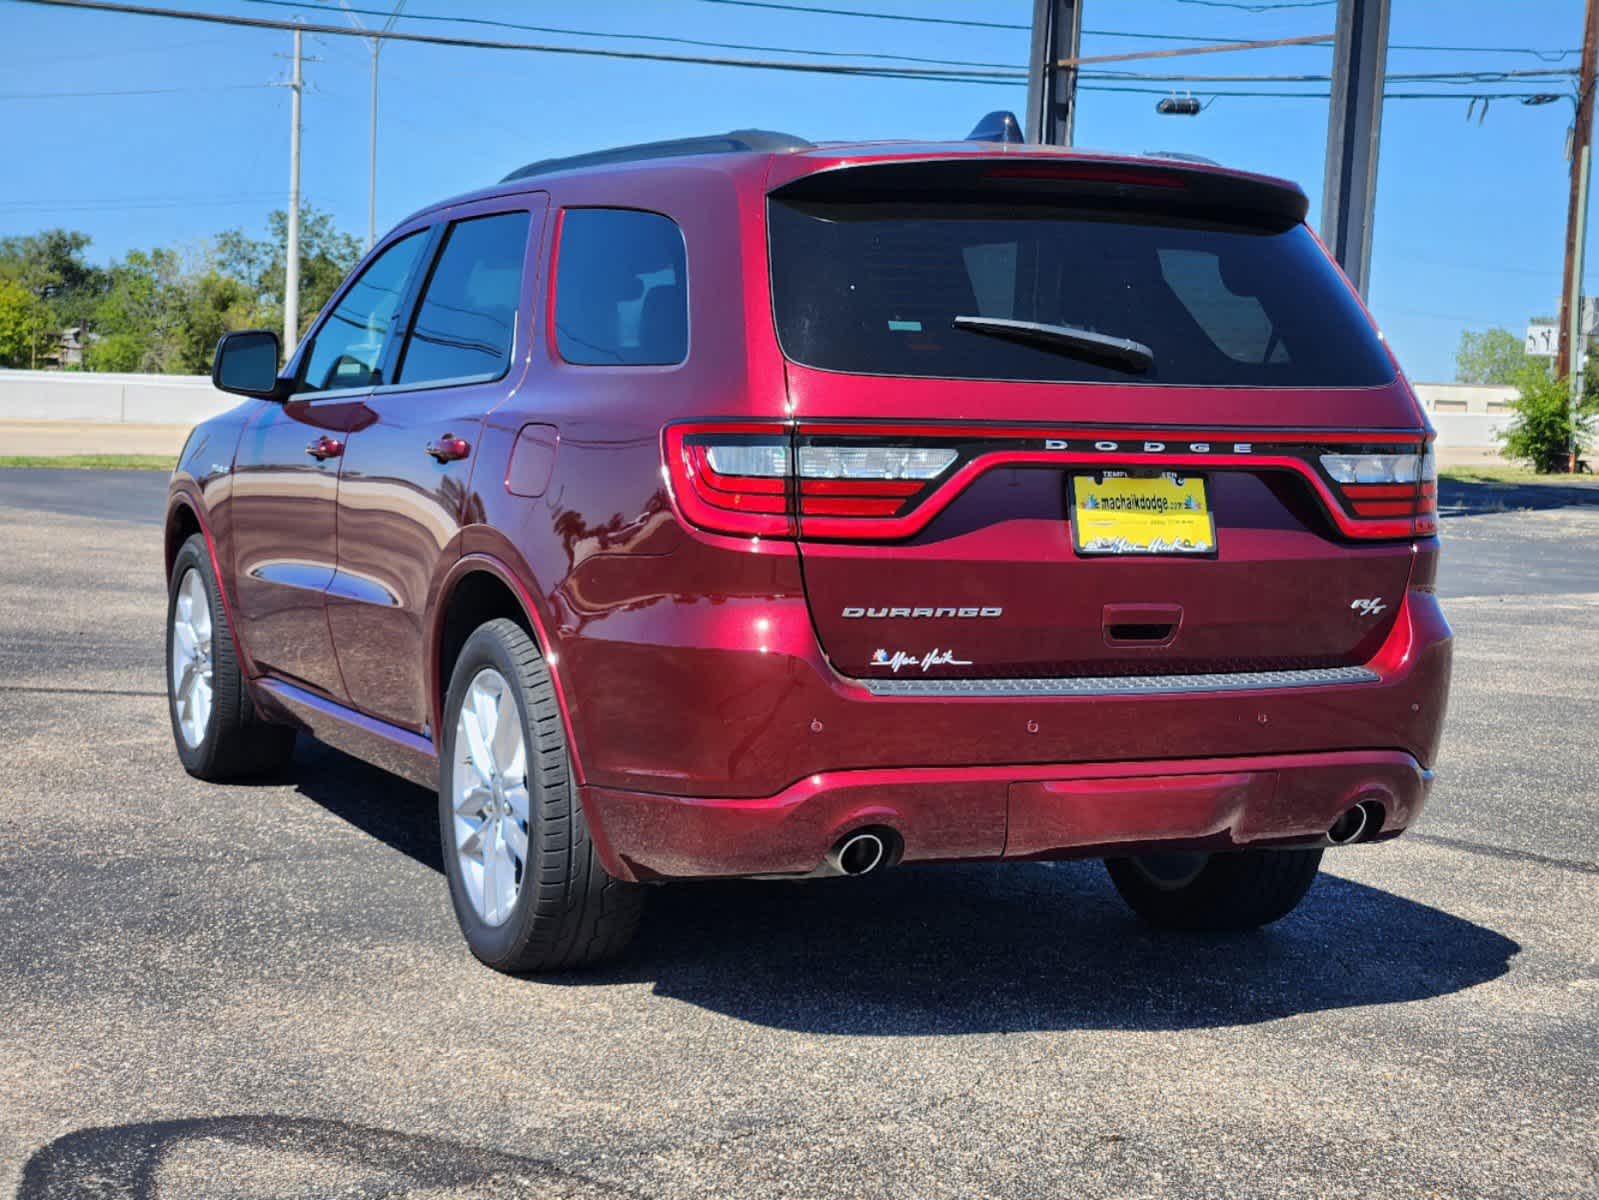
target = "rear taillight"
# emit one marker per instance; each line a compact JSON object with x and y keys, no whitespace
{"x":1388,"y":493}
{"x":740,"y":479}
{"x":865,"y":481}
{"x":732,"y":478}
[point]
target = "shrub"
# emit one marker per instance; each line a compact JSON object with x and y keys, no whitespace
{"x":1542,"y":430}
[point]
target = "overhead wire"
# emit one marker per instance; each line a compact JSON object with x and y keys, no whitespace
{"x":672,"y":39}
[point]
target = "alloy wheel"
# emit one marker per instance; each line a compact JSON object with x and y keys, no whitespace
{"x":191,"y":658}
{"x":490,"y":797}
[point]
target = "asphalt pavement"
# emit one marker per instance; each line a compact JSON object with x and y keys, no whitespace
{"x":259,"y":990}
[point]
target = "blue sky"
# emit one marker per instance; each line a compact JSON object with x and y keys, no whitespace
{"x":1470,"y":215}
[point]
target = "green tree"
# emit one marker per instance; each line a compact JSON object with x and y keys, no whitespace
{"x":327,"y":255}
{"x":27,"y":326}
{"x":1493,"y":356}
{"x":51,"y":266}
{"x":1543,"y":426}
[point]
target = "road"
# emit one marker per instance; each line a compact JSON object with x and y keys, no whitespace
{"x":255,"y":991}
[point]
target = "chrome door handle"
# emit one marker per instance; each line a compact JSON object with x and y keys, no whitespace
{"x":325,"y":448}
{"x":449,"y":448}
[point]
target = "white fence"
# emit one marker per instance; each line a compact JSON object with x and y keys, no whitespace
{"x":130,"y":399}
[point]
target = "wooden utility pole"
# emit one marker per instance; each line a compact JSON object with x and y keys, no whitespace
{"x":1568,"y":355}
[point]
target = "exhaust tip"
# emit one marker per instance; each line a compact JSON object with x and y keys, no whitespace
{"x":1349,"y":826}
{"x":859,"y":853}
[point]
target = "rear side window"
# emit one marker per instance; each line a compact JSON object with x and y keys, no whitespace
{"x":621,"y":294}
{"x":347,"y":349}
{"x":875,"y":288}
{"x":466,"y":321}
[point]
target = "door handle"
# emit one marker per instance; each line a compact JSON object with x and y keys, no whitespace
{"x":325,"y":448}
{"x":449,"y":448}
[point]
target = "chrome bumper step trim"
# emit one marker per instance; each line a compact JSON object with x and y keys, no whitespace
{"x":1122,"y":685}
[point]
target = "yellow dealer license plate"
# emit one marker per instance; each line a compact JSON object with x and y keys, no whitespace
{"x":1117,"y":513}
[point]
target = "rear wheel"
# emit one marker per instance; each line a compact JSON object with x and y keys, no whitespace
{"x":1241,"y":889}
{"x":218,"y":732}
{"x":527,"y":885}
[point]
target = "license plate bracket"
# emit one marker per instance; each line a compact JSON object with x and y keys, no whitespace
{"x":1142,"y":513}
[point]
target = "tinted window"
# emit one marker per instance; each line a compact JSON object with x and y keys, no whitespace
{"x":347,"y":349}
{"x":875,"y":288}
{"x":464,"y":324}
{"x":620,"y":291}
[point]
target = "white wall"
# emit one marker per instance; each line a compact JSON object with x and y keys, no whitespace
{"x":190,"y":399}
{"x":136,"y":399}
{"x":1467,"y":414}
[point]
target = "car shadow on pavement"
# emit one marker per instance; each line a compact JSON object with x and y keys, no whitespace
{"x":273,"y":1156}
{"x":1461,"y":498}
{"x":974,"y":948}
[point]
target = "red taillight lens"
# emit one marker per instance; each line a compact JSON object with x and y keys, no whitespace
{"x":745,"y":479}
{"x":732,"y":478}
{"x":1391,"y":494}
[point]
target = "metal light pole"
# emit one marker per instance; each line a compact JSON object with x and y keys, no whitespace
{"x":1354,"y":122}
{"x":1051,"y":88}
{"x":376,"y":45}
{"x":291,"y":252}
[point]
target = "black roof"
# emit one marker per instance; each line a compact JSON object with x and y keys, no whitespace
{"x":735,"y":142}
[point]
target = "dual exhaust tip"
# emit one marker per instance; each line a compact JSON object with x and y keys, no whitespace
{"x":865,"y":850}
{"x":1356,"y":824}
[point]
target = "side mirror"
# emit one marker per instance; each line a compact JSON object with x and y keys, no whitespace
{"x":246,"y":363}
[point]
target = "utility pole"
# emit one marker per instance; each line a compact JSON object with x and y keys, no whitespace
{"x":1354,"y":124}
{"x":291,"y":252}
{"x":372,"y":156}
{"x":375,"y":44}
{"x":1568,"y":354}
{"x":1052,"y":88}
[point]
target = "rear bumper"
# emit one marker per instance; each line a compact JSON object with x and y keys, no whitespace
{"x":1015,"y":812}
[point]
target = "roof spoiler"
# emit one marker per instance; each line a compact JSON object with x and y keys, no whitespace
{"x":1124,"y":184}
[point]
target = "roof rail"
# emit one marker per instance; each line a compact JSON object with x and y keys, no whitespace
{"x":737,"y":141}
{"x":1181,"y":156}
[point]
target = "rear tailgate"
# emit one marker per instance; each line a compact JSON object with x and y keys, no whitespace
{"x":937,"y":467}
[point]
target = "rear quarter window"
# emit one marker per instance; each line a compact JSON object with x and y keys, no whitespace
{"x":874,"y":288}
{"x":621,"y":289}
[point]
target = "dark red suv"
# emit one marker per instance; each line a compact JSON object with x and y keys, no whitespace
{"x":744,"y":507}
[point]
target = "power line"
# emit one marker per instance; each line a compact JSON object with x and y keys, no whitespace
{"x":644,"y":37}
{"x":168,"y":91}
{"x":871,"y":16}
{"x":935,"y":74}
{"x":916,"y":19}
{"x":1464,"y":77}
{"x":1253,"y":6}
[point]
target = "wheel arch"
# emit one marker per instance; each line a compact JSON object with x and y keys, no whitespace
{"x":480,"y":588}
{"x":183,"y":522}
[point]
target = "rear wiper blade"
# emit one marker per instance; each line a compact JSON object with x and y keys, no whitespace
{"x":1067,"y":339}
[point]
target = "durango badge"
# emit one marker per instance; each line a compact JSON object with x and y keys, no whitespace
{"x":853,"y":613}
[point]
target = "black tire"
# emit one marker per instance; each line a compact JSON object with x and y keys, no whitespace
{"x":568,"y":912}
{"x":1241,"y":889}
{"x":236,"y":740}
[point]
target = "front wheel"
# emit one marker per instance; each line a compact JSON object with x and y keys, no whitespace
{"x":528,"y":888}
{"x":218,"y":732}
{"x":1240,"y":889}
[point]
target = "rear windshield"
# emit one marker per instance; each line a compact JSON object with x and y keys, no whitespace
{"x":875,"y":288}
